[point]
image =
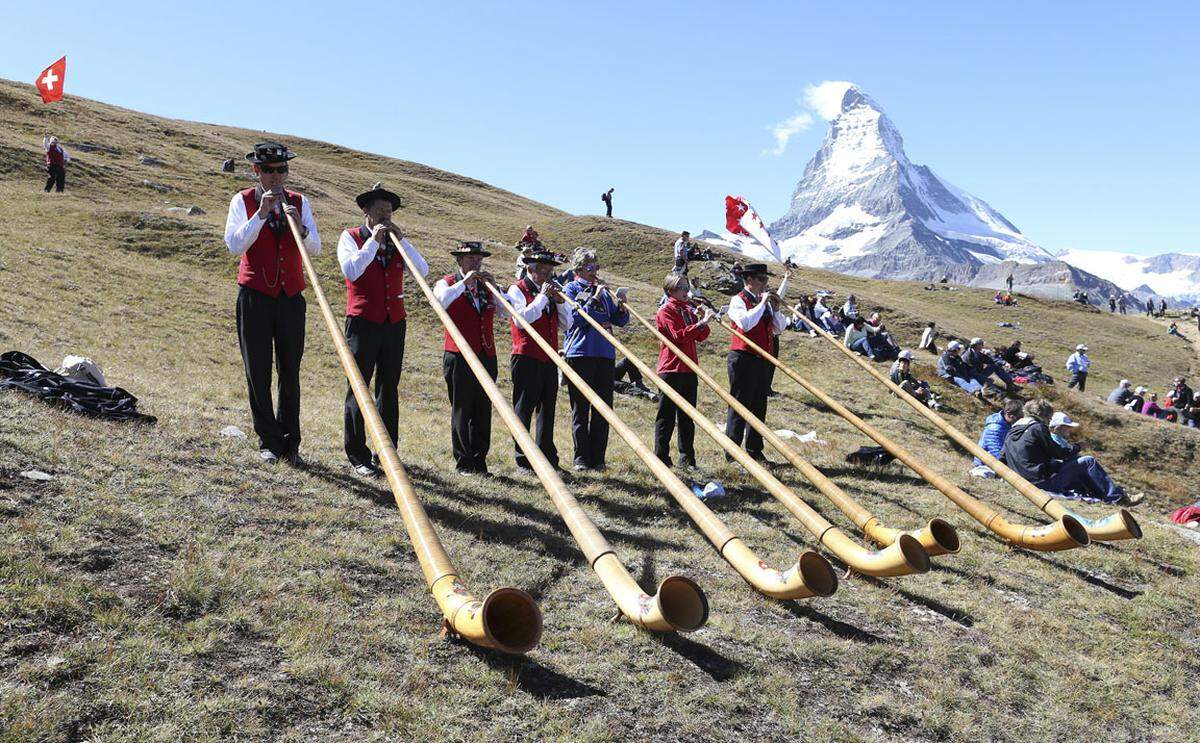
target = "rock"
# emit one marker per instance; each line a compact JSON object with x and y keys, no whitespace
{"x":227,"y":166}
{"x":147,"y":160}
{"x":156,"y":186}
{"x":92,"y":147}
{"x":232,"y":432}
{"x":37,"y":475}
{"x":195,"y":211}
{"x":191,"y":211}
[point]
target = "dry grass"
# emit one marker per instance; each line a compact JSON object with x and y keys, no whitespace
{"x":166,"y":586}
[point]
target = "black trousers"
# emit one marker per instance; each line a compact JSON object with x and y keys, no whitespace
{"x":1078,"y":378}
{"x":668,"y":413}
{"x":589,"y":430}
{"x":535,"y":390}
{"x":625,"y":368}
{"x":271,"y":331}
{"x":56,"y":176}
{"x":470,"y":412}
{"x":378,"y":350}
{"x":608,"y":208}
{"x":748,"y":385}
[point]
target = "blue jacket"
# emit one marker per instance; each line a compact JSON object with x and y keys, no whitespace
{"x":582,"y":339}
{"x":995,"y":429}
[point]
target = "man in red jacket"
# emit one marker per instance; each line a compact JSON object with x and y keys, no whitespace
{"x":375,"y":316}
{"x":56,"y":163}
{"x":678,"y":321}
{"x":270,"y":303}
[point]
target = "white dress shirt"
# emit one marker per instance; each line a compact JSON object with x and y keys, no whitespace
{"x":241,"y":231}
{"x":746,"y":318}
{"x":534,"y":309}
{"x":354,"y":260}
{"x":445,"y":292}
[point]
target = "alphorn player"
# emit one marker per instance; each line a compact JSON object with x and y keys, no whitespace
{"x":270,"y":303}
{"x":534,"y":375}
{"x":755,"y":312}
{"x":469,"y":305}
{"x":678,"y":321}
{"x":375,"y":316}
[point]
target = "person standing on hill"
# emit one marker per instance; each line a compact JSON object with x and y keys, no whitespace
{"x":1078,"y":364}
{"x":56,"y":160}
{"x":1112,"y":305}
{"x":270,"y":303}
{"x":606,"y":197}
{"x":755,"y":313}
{"x":1121,"y":304}
{"x":534,"y":375}
{"x":466,"y":299}
{"x":1009,"y":281}
{"x":375,"y":317}
{"x":678,"y":321}
{"x":683,"y":253}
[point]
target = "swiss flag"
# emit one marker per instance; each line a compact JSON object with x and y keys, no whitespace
{"x":50,"y":82}
{"x":741,"y":219}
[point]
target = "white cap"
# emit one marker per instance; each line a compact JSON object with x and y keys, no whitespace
{"x":905,"y":355}
{"x":976,"y":341}
{"x":1125,"y":383}
{"x":953,"y":346}
{"x":1062,"y":419}
{"x":1141,"y":390}
{"x":1081,"y":347}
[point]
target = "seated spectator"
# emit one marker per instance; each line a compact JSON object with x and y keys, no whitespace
{"x":1151,"y":407}
{"x":929,"y":339}
{"x":902,"y":377}
{"x":826,"y":317}
{"x":856,"y":338}
{"x":529,"y":236}
{"x":1136,"y":400}
{"x":803,"y":320}
{"x":849,"y":309}
{"x":1015,"y":357}
{"x":991,"y":439}
{"x":1182,"y":398}
{"x":982,"y":366}
{"x":1009,"y":300}
{"x":1174,"y":329}
{"x":880,"y":340}
{"x":952,"y":368}
{"x":1121,"y":395}
{"x":999,"y":298}
{"x":1030,"y":449}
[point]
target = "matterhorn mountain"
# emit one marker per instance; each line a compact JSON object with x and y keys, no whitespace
{"x":863,"y":208}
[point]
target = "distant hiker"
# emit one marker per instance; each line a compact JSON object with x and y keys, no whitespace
{"x":56,"y":159}
{"x":951,"y":367}
{"x":465,"y":298}
{"x":1121,"y":304}
{"x":1009,"y":281}
{"x":1162,"y":308}
{"x":901,"y":376}
{"x":683,"y":249}
{"x":606,"y":197}
{"x":1078,"y":364}
{"x":375,"y":317}
{"x":678,"y":321}
{"x":1030,"y":450}
{"x":995,"y":429}
{"x":534,"y":375}
{"x":592,"y":356}
{"x":529,"y":237}
{"x":1112,"y":305}
{"x":929,"y":339}
{"x":1122,"y":394}
{"x":270,"y":303}
{"x":227,"y":166}
{"x":755,"y":311}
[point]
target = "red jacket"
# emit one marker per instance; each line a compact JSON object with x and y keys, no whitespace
{"x":475,"y":326}
{"x":378,"y":294}
{"x":273,"y":262}
{"x":546,"y":326}
{"x":677,"y":320}
{"x":55,"y":155}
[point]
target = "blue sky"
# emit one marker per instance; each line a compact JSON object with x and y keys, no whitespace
{"x":1075,"y":120}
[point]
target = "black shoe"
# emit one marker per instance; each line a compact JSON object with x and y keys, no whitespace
{"x":772,"y":393}
{"x":687,"y":463}
{"x":293,"y":458}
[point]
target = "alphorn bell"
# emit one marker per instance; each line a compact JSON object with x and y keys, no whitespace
{"x":812,"y":575}
{"x":678,"y":605}
{"x":508,"y":619}
{"x":904,"y":557}
{"x":938,"y":537}
{"x":1066,"y":533}
{"x":1114,"y":527}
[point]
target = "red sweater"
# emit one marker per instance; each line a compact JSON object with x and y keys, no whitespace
{"x":55,"y":156}
{"x":679,"y":323}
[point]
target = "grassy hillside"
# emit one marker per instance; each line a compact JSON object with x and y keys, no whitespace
{"x":165,"y":585}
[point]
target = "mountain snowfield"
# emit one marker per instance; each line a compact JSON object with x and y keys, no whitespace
{"x":863,"y":208}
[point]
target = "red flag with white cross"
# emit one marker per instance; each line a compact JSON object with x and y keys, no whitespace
{"x":50,"y":82}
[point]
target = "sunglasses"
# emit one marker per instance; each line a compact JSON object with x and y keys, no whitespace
{"x":591,"y":266}
{"x":275,"y":169}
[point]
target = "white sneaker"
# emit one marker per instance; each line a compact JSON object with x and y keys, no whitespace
{"x":268,"y":456}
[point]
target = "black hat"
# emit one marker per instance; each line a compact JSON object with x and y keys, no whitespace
{"x":270,"y":152}
{"x":365,"y":199}
{"x":471,"y":247}
{"x":745,"y":269}
{"x":541,"y":256}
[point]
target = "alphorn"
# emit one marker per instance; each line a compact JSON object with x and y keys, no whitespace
{"x":812,"y":575}
{"x":678,"y":605}
{"x":1115,"y":526}
{"x":1066,"y":533}
{"x":904,"y":557}
{"x":508,"y":619}
{"x":938,"y":537}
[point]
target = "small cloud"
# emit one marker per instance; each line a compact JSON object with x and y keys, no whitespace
{"x":826,"y":97}
{"x":785,"y":130}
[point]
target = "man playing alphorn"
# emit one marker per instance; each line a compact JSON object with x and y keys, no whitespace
{"x":534,"y":375}
{"x":375,"y":316}
{"x":755,"y":312}
{"x":270,"y":303}
{"x":469,"y":305}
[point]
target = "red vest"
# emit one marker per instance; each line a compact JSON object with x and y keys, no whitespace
{"x":272,"y":264}
{"x":378,"y":294}
{"x":546,"y":326}
{"x":475,"y":327}
{"x":55,"y":156}
{"x":760,"y":333}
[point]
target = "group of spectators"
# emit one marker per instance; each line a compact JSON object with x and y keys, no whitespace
{"x":972,"y":367}
{"x":1179,"y":404}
